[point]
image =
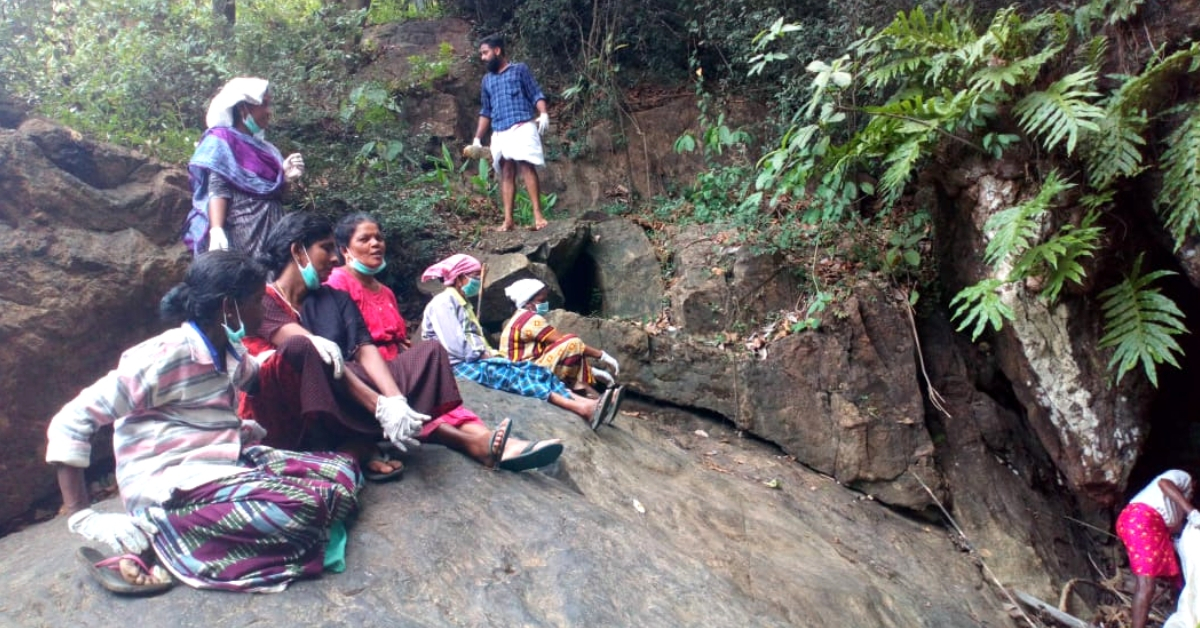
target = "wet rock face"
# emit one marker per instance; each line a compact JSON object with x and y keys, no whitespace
{"x":88,"y":238}
{"x":643,"y":523}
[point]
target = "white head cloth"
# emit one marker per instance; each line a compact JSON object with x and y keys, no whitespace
{"x":240,"y":89}
{"x":522,"y":290}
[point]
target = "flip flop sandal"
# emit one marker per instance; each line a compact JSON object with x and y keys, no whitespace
{"x":618,"y":397}
{"x":107,"y":573}
{"x":602,"y":408}
{"x":533,"y":457}
{"x":382,"y":476}
{"x":497,"y":450}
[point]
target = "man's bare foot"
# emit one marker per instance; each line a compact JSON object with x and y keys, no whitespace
{"x":508,"y":226}
{"x":538,"y":225}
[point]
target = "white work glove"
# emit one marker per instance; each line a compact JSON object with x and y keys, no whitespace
{"x":400,"y":422}
{"x":123,"y":533}
{"x":217,"y":241}
{"x":263,"y":357}
{"x":251,"y":432}
{"x":331,"y":354}
{"x":603,"y":376}
{"x":1193,"y":519}
{"x":543,"y":123}
{"x":293,"y":166}
{"x":610,"y":362}
{"x":477,"y":143}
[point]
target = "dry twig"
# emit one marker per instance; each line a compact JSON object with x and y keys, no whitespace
{"x":971,"y":548}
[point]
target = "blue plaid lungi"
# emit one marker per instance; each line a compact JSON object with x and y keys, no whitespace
{"x":523,"y":378}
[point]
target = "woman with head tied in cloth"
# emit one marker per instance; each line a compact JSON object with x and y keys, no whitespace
{"x":450,"y":320}
{"x":237,"y":177}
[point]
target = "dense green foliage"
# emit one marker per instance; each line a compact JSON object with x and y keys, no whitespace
{"x":1015,"y":86}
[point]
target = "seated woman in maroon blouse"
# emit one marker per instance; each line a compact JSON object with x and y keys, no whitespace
{"x":308,"y":397}
{"x":362,"y":247}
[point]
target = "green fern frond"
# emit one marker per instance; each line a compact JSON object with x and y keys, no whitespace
{"x":1114,"y":150}
{"x":1057,"y":259}
{"x":1015,"y":229}
{"x":1137,"y":92}
{"x":1121,"y":10}
{"x":1061,"y":111}
{"x":980,"y":305}
{"x":1178,"y":202}
{"x":900,"y":164}
{"x":1001,"y":73}
{"x":1140,"y":323}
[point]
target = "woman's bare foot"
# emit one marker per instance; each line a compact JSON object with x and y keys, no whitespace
{"x":539,"y":224}
{"x":377,"y":465}
{"x":132,"y":573}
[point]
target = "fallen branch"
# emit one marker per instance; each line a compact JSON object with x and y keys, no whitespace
{"x":1066,"y":619}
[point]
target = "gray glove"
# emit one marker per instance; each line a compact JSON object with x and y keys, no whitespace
{"x":123,"y":533}
{"x":400,"y":422}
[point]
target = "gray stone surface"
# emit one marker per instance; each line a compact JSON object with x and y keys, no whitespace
{"x":843,"y":400}
{"x":628,"y":274}
{"x":455,"y":545}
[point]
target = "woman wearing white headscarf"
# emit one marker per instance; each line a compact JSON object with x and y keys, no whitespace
{"x":237,"y":177}
{"x":529,"y":337}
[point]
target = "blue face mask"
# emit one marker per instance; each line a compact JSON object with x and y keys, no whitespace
{"x":542,"y":308}
{"x":256,"y":130}
{"x":235,"y":337}
{"x":472,"y":287}
{"x":312,"y":280}
{"x":364,"y":269}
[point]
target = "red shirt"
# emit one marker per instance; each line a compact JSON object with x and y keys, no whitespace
{"x":379,"y":309}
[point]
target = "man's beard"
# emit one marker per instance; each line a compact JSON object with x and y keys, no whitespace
{"x":493,"y":65}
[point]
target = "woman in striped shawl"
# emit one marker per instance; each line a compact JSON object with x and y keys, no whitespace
{"x":202,"y":498}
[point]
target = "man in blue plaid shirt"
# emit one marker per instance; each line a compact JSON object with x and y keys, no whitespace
{"x":510,"y":97}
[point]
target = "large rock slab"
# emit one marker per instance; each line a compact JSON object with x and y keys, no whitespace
{"x":1092,"y":430}
{"x":88,"y":237}
{"x":641,"y":524}
{"x":843,"y":400}
{"x":1003,"y":488}
{"x":628,"y":274}
{"x":720,"y":285}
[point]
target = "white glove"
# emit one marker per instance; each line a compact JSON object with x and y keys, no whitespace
{"x":603,"y":376}
{"x":610,"y":362}
{"x":263,"y":357}
{"x":1193,"y":519}
{"x":543,"y":123}
{"x":477,"y":143}
{"x":331,"y":354}
{"x":293,"y":167}
{"x":217,"y":241}
{"x":251,"y":432}
{"x":123,"y":533}
{"x":400,"y":422}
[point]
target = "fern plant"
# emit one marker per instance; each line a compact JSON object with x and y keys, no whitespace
{"x":1141,"y":324}
{"x":1030,"y":81}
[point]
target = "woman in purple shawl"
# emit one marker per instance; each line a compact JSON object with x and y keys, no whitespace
{"x":237,"y":177}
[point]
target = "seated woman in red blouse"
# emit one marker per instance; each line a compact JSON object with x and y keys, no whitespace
{"x":362,"y":247}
